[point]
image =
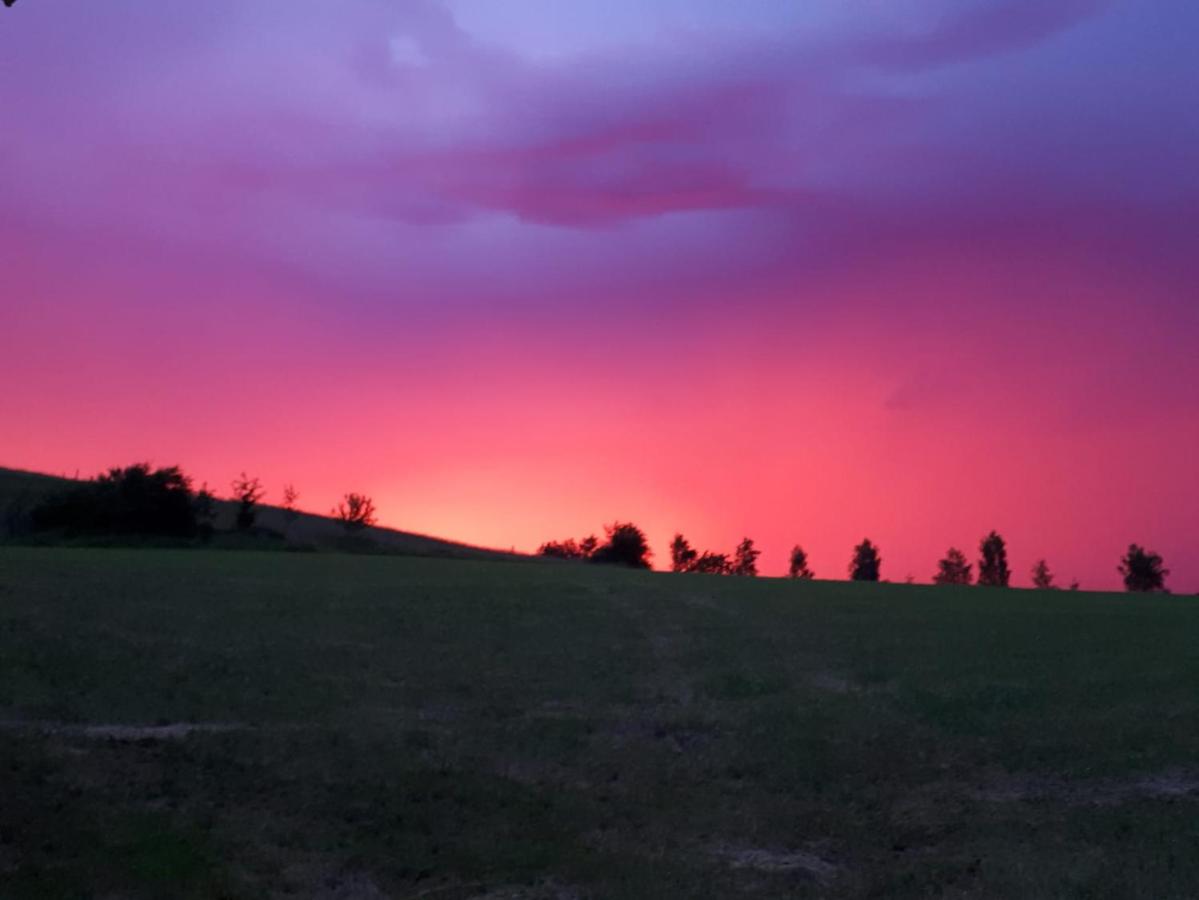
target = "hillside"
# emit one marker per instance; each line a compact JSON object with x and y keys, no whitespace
{"x":199,"y":724}
{"x":308,"y":529}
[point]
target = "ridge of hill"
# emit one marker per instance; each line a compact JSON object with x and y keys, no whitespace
{"x":308,"y":529}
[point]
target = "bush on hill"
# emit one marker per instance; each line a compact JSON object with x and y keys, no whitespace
{"x":135,"y":500}
{"x":626,"y":546}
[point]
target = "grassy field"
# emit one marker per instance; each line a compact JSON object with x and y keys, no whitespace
{"x":217,"y":724}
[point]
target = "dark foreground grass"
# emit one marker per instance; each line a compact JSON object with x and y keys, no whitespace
{"x":364,"y":727}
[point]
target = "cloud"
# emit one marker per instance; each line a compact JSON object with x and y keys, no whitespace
{"x":981,"y":29}
{"x":293,"y":132}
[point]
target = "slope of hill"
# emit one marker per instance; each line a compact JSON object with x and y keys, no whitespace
{"x":203,"y":723}
{"x":19,"y":489}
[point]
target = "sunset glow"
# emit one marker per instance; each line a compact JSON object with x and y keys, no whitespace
{"x":807,"y":272}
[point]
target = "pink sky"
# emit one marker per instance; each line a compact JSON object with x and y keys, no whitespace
{"x":808,"y":273}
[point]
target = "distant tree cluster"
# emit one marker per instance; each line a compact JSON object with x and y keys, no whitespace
{"x":684,"y":558}
{"x":1142,"y":570}
{"x":135,"y":500}
{"x":145,"y":501}
{"x":140,"y":500}
{"x":625,"y":545}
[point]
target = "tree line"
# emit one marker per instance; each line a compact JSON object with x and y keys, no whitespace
{"x":142,"y":501}
{"x":626,"y":544}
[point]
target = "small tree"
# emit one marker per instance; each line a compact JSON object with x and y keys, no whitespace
{"x":799,"y":565}
{"x":682,"y":555}
{"x":745,"y":559}
{"x":290,"y":496}
{"x":866,"y":563}
{"x":1075,"y":586}
{"x":588,"y":546}
{"x":953,"y":569}
{"x":1143,"y":571}
{"x":712,"y":564}
{"x":205,"y":507}
{"x":993,"y":570}
{"x":1042,"y":578}
{"x":247,"y":492}
{"x":355,"y":512}
{"x":626,"y":546}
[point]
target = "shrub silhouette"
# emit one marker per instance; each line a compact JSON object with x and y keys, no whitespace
{"x":355,"y":512}
{"x":135,"y":500}
{"x":247,"y":492}
{"x":953,"y":569}
{"x":745,"y":559}
{"x":993,"y":570}
{"x":712,"y":564}
{"x":567,"y":549}
{"x":866,"y":563}
{"x":799,"y":565}
{"x":570,"y":549}
{"x":1042,"y":578}
{"x":1143,"y":571}
{"x":682,"y":555}
{"x":626,"y":546}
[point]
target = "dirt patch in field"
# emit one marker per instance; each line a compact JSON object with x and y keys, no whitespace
{"x":175,"y":731}
{"x":535,"y":892}
{"x":352,"y":887}
{"x":764,"y":860}
{"x":1102,"y":792}
{"x":836,"y":683}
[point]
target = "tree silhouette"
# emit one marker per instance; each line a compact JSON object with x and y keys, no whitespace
{"x":135,"y":500}
{"x":290,"y":496}
{"x":355,"y":512}
{"x":993,"y":570}
{"x":1042,"y":578}
{"x":1143,"y":571}
{"x":682,"y":555}
{"x":866,"y":563}
{"x":570,"y":549}
{"x":953,"y":569}
{"x":247,"y":492}
{"x":799,"y":565}
{"x":712,"y":564}
{"x":745,"y":559}
{"x":626,"y":546}
{"x":566,"y":549}
{"x":205,"y":511}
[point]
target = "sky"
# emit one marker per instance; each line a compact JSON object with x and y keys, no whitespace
{"x":806,"y":272}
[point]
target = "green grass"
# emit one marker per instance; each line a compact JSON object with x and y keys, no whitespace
{"x":402,"y":727}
